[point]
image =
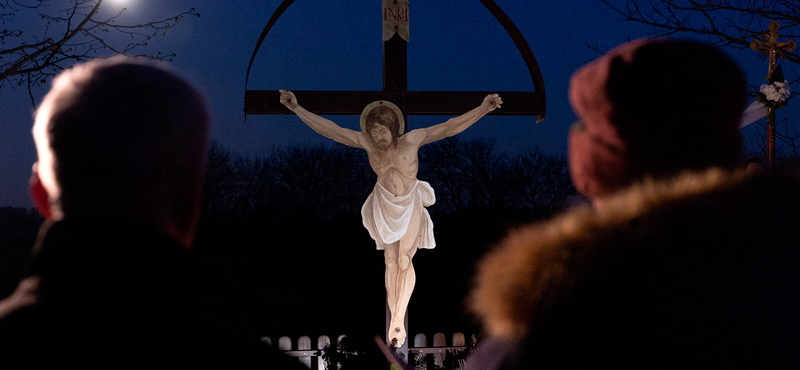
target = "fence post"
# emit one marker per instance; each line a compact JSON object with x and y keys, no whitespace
{"x":420,"y":341}
{"x":322,"y":341}
{"x":439,"y":340}
{"x":430,"y":357}
{"x":459,"y":340}
{"x":304,"y":344}
{"x":339,"y":340}
{"x":285,"y":344}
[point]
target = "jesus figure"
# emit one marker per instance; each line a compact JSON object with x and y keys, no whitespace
{"x":394,"y":213}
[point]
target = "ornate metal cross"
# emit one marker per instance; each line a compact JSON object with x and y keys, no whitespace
{"x":772,"y":48}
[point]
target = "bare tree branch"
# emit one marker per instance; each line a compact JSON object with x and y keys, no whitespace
{"x":729,"y":23}
{"x":64,"y":36}
{"x":733,"y":23}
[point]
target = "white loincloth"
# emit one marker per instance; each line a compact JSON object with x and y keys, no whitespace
{"x":386,"y":216}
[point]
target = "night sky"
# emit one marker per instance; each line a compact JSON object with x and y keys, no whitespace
{"x":325,"y":45}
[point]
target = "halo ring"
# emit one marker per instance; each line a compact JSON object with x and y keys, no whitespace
{"x":401,"y":124}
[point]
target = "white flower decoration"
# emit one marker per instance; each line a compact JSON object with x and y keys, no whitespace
{"x":776,"y":91}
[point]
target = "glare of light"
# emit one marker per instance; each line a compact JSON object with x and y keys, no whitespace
{"x":118,"y":5}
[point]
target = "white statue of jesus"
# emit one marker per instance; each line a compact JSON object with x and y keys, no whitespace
{"x":394,"y":213}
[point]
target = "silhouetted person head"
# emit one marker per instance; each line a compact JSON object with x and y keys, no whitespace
{"x":654,"y":108}
{"x":122,"y":139}
{"x":695,"y":272}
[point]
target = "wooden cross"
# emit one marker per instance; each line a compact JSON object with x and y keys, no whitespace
{"x":770,"y":47}
{"x":395,"y":85}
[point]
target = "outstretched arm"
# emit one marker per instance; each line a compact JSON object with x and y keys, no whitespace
{"x":321,"y":125}
{"x":455,"y":125}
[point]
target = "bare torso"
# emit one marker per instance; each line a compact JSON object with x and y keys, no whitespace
{"x":396,"y":166}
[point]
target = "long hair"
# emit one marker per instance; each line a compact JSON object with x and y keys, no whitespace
{"x":384,"y":116}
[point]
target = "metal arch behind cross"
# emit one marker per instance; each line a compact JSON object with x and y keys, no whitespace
{"x":411,"y":102}
{"x":278,"y":12}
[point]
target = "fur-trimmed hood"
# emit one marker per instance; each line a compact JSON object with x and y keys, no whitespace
{"x":695,"y":220}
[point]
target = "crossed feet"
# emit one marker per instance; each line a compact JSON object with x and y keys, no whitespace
{"x":397,"y":336}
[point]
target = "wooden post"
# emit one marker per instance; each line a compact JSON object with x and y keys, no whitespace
{"x":304,"y":344}
{"x":420,"y":341}
{"x":770,"y":137}
{"x":322,"y":342}
{"x":285,"y":343}
{"x":439,"y":340}
{"x":459,"y":340}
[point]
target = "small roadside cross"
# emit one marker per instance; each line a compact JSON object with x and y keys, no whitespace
{"x":772,"y":48}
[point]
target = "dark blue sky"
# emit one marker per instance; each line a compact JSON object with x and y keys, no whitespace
{"x":327,"y":45}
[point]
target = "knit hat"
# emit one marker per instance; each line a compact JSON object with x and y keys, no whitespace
{"x":654,"y":108}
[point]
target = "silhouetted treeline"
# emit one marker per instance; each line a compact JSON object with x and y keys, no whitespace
{"x":281,"y":249}
{"x":282,"y":241}
{"x":321,"y":182}
{"x":472,"y":175}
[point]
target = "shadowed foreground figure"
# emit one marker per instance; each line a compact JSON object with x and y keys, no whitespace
{"x":653,"y":109}
{"x":121,"y":152}
{"x":681,"y":262}
{"x":699,"y":272}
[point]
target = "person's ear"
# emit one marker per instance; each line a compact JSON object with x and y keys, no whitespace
{"x":39,"y":194}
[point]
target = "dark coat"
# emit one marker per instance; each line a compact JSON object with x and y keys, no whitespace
{"x":702,"y":271}
{"x":104,"y":295}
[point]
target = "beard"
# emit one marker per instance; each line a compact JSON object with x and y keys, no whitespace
{"x":383,"y":144}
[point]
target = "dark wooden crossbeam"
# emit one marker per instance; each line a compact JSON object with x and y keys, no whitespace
{"x":515,"y":103}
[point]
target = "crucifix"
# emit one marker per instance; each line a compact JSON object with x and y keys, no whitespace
{"x":396,"y":101}
{"x":771,"y":47}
